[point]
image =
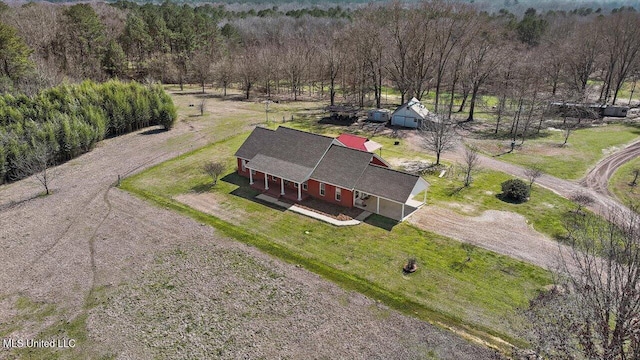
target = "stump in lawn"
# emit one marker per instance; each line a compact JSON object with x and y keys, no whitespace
{"x":410,"y":266}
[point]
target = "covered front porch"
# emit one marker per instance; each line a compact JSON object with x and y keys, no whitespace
{"x":278,"y":187}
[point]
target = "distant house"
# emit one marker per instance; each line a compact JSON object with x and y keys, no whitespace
{"x":296,"y":165}
{"x":410,"y":114}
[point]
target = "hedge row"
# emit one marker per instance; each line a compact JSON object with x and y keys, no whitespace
{"x":69,"y":120}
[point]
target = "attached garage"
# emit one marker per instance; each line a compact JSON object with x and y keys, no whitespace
{"x":389,"y":192}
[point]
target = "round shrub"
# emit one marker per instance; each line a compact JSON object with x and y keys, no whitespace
{"x":515,"y":190}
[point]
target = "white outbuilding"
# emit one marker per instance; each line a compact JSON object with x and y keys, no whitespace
{"x":379,"y":115}
{"x":410,"y":114}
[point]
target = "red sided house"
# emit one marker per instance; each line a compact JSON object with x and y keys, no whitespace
{"x":299,"y":165}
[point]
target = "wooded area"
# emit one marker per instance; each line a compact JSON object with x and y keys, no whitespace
{"x":346,"y":56}
{"x":63,"y":122}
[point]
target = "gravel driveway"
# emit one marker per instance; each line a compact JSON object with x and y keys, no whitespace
{"x":499,"y":231}
{"x":598,"y":178}
{"x":531,"y":246}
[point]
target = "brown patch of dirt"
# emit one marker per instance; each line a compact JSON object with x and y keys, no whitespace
{"x":503,"y":232}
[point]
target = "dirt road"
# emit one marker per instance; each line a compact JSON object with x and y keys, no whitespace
{"x":603,"y":203}
{"x":598,"y":178}
{"x":522,"y":243}
{"x":154,"y":284}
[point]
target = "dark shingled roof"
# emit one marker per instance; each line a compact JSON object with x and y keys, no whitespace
{"x":293,"y":155}
{"x":285,"y":152}
{"x":257,"y":140}
{"x":387,"y":183}
{"x":342,"y":166}
{"x":299,"y":147}
{"x":279,"y":168}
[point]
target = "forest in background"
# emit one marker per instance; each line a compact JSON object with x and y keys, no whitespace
{"x":451,"y":53}
{"x":344,"y":55}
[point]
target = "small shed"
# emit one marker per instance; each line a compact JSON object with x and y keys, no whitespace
{"x":410,"y":114}
{"x":379,"y":115}
{"x":616,"y":111}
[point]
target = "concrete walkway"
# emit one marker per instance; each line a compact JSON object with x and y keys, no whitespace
{"x":313,"y":214}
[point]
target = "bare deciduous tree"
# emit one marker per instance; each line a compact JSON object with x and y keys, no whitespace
{"x":470,"y":165}
{"x":437,"y":135}
{"x":594,"y":314}
{"x":38,"y":164}
{"x":635,"y":173}
{"x":533,"y":173}
{"x":202,"y":106}
{"x":622,"y":48}
{"x":582,"y":199}
{"x":214,"y":169}
{"x":224,"y":71}
{"x":246,"y":69}
{"x":484,"y":57}
{"x":201,"y":68}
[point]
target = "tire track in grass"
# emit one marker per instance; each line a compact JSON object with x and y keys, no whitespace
{"x":75,"y":219}
{"x":599,"y":176}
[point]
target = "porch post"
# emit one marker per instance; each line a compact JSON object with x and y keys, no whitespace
{"x":266,"y":181}
{"x":402,"y":212}
{"x":250,"y":177}
{"x":281,"y":186}
{"x":299,"y":192}
{"x":378,"y":205}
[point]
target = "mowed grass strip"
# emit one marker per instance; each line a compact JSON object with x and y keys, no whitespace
{"x":483,"y":296}
{"x":584,"y":149}
{"x":620,"y":183}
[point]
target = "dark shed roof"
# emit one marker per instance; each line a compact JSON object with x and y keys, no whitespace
{"x":342,"y":166}
{"x":387,"y":183}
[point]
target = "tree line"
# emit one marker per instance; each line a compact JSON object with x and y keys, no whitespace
{"x":445,"y":50}
{"x":65,"y":121}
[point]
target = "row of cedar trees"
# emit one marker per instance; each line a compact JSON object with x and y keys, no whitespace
{"x":69,"y":120}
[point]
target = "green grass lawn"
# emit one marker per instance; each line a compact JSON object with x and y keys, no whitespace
{"x":544,"y":209}
{"x":619,"y":184}
{"x":584,"y":149}
{"x":482,"y":296}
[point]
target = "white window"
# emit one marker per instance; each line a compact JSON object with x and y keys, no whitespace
{"x":274,"y":178}
{"x":304,"y":186}
{"x":338,"y":194}
{"x":321,"y":189}
{"x":244,"y":165}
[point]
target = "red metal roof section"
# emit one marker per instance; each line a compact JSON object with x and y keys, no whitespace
{"x":353,"y":141}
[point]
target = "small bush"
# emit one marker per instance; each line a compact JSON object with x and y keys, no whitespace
{"x":516,"y":190}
